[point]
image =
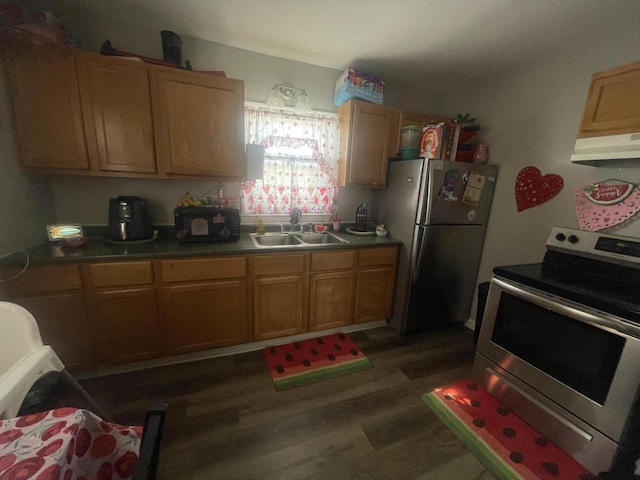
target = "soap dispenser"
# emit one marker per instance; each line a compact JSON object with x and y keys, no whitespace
{"x":261,"y":226}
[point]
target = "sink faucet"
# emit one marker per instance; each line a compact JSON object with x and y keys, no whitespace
{"x":296,"y":215}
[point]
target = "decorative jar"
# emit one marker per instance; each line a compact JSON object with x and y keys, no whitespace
{"x":481,"y":154}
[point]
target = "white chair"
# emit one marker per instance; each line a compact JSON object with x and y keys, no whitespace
{"x":23,"y":357}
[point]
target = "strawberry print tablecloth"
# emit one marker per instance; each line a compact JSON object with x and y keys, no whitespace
{"x":67,"y":444}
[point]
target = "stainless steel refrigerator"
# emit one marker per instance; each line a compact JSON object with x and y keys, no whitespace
{"x":439,"y":210}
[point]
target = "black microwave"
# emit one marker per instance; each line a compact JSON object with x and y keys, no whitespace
{"x":207,"y":224}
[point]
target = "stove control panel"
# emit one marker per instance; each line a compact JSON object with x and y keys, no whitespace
{"x":599,"y":246}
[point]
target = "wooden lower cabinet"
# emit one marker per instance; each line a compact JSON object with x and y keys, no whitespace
{"x":331,"y":289}
{"x":279,"y":295}
{"x":62,"y":321}
{"x":375,"y":284}
{"x":128,"y":325}
{"x":205,"y":315}
{"x":55,"y":296}
{"x":278,"y":304}
{"x":374,"y":294}
{"x":108,"y":313}
{"x":330,"y":300}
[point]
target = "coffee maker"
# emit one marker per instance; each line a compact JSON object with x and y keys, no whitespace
{"x":129,"y":219}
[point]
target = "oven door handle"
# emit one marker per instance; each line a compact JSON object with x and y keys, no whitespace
{"x":564,"y":307}
{"x":586,"y":435}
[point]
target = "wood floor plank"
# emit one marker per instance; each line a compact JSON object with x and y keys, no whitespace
{"x":226,"y":421}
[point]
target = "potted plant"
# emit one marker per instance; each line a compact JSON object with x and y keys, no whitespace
{"x":468,"y":127}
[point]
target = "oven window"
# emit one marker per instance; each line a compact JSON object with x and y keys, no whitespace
{"x":581,"y":356}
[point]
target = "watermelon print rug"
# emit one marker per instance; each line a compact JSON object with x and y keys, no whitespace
{"x":314,"y":360}
{"x":506,"y":445}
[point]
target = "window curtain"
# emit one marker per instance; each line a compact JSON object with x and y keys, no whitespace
{"x":301,"y":161}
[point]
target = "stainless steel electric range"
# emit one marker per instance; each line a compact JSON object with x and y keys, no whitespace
{"x":560,"y":345}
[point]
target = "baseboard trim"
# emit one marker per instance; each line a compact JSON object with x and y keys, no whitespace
{"x":220,"y":352}
{"x":470,"y":324}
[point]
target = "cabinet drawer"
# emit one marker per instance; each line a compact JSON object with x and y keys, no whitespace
{"x":378,"y":256}
{"x":203,"y":269}
{"x":339,"y":260}
{"x":121,"y":273}
{"x":278,"y":264}
{"x":45,"y":279}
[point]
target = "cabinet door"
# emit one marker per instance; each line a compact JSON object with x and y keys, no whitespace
{"x":62,"y":321}
{"x":128,"y":324}
{"x":205,"y":315}
{"x":278,"y":306}
{"x":374,"y":294}
{"x":116,"y":102}
{"x":408,"y":118}
{"x":372,"y":140}
{"x":199,"y":124}
{"x":613,"y":103}
{"x":47,"y":112}
{"x":330,"y":300}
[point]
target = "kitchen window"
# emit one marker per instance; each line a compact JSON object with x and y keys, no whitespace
{"x":300,"y":164}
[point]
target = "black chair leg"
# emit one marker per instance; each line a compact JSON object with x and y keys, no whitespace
{"x":59,"y":389}
{"x":150,"y":447}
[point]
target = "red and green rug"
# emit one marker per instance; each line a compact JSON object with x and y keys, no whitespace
{"x":506,"y":445}
{"x":314,"y":360}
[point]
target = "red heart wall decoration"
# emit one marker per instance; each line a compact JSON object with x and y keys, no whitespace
{"x":533,"y":189}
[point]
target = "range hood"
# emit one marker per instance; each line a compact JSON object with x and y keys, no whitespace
{"x":608,"y":151}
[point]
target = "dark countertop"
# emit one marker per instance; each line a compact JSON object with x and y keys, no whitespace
{"x":98,"y":249}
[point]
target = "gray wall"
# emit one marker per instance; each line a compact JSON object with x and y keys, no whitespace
{"x":531,"y":118}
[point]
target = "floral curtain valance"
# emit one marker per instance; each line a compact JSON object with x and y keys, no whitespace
{"x":300,"y":167}
{"x":262,"y":122}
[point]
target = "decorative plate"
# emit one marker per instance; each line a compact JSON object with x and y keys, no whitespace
{"x":362,"y":234}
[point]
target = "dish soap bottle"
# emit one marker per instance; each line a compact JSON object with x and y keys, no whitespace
{"x":336,"y":222}
{"x":261,"y":226}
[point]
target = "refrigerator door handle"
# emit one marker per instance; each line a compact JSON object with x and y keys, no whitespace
{"x":417,"y":262}
{"x":424,"y":198}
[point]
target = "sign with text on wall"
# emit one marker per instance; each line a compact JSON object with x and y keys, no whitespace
{"x":605,"y":204}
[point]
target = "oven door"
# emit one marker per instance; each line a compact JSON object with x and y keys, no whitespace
{"x":584,"y":360}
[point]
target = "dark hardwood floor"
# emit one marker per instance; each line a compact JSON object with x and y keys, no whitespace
{"x":225,"y":420}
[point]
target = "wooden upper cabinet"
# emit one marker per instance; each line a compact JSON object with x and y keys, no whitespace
{"x":199,"y":124}
{"x":47,"y":112}
{"x":116,"y":102}
{"x":368,"y":140}
{"x":408,"y":118}
{"x":613,"y":103}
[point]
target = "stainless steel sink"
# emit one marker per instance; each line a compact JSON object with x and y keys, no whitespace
{"x":273,"y":240}
{"x":321,"y":238}
{"x":281,"y":240}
